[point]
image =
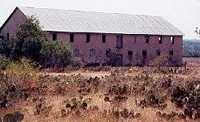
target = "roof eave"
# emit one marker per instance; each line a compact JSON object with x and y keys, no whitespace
{"x":51,"y":31}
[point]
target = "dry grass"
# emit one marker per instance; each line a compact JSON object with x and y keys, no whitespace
{"x":52,"y":92}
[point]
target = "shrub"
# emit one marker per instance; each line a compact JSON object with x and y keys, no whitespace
{"x":87,"y":86}
{"x":170,"y":116}
{"x":177,"y":95}
{"x":117,"y":93}
{"x":126,"y":114}
{"x":15,"y":82}
{"x":31,"y":49}
{"x":77,"y":62}
{"x":76,"y":105}
{"x":188,"y":98}
{"x":55,"y":53}
{"x":159,"y":61}
{"x":153,"y":99}
{"x":5,"y":47}
{"x":22,"y":70}
{"x":119,"y":89}
{"x":13,"y":117}
{"x":113,"y":59}
{"x":42,"y":107}
{"x":4,"y":62}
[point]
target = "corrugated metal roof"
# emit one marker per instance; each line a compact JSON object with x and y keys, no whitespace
{"x":99,"y":22}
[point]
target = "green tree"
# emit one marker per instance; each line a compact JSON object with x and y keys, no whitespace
{"x":197,"y":31}
{"x":30,"y":29}
{"x":29,"y":39}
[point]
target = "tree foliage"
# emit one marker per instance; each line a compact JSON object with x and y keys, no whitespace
{"x":31,"y":29}
{"x":197,"y":31}
{"x":191,"y":48}
{"x":29,"y":39}
{"x":5,"y":47}
{"x":31,"y":49}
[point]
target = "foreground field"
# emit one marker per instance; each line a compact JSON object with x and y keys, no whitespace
{"x":108,"y":95}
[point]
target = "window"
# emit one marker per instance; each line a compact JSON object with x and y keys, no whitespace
{"x":130,"y":52}
{"x":119,"y":43}
{"x":88,"y":38}
{"x":135,"y":39}
{"x":54,"y":36}
{"x":172,"y":39}
{"x":76,"y":52}
{"x":171,"y":52}
{"x":104,"y":38}
{"x":71,"y":37}
{"x":147,"y":39}
{"x":1,"y":37}
{"x":130,"y":55}
{"x":8,"y":36}
{"x":108,"y":51}
{"x":144,"y":53}
{"x":92,"y":52}
{"x":160,"y":40}
{"x":158,"y":52}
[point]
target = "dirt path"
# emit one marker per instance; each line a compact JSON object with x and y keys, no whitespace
{"x":85,"y":74}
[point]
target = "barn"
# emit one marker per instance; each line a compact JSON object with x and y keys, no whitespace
{"x":105,"y":38}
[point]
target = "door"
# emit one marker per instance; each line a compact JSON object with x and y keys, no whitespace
{"x":119,"y":60}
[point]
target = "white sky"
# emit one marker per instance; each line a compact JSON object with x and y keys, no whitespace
{"x":184,"y":14}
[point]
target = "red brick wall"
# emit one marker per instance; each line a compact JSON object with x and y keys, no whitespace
{"x":134,"y":43}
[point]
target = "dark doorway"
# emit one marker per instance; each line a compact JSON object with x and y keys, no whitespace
{"x":144,"y":56}
{"x":119,"y":41}
{"x":130,"y":57}
{"x":119,"y":60}
{"x":115,"y":59}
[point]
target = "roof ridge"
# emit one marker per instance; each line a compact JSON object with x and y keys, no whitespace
{"x":74,"y":10}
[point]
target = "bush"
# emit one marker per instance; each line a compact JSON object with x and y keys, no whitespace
{"x":31,"y":49}
{"x":77,"y":62}
{"x":21,"y":70}
{"x":5,"y":47}
{"x":160,"y":61}
{"x":4,"y":62}
{"x":16,"y":81}
{"x":13,"y":117}
{"x":113,"y":59}
{"x":188,"y":98}
{"x":42,"y":107}
{"x":55,"y":53}
{"x":177,"y":95}
{"x":75,"y":104}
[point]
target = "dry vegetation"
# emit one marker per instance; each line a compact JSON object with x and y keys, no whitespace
{"x":101,"y":94}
